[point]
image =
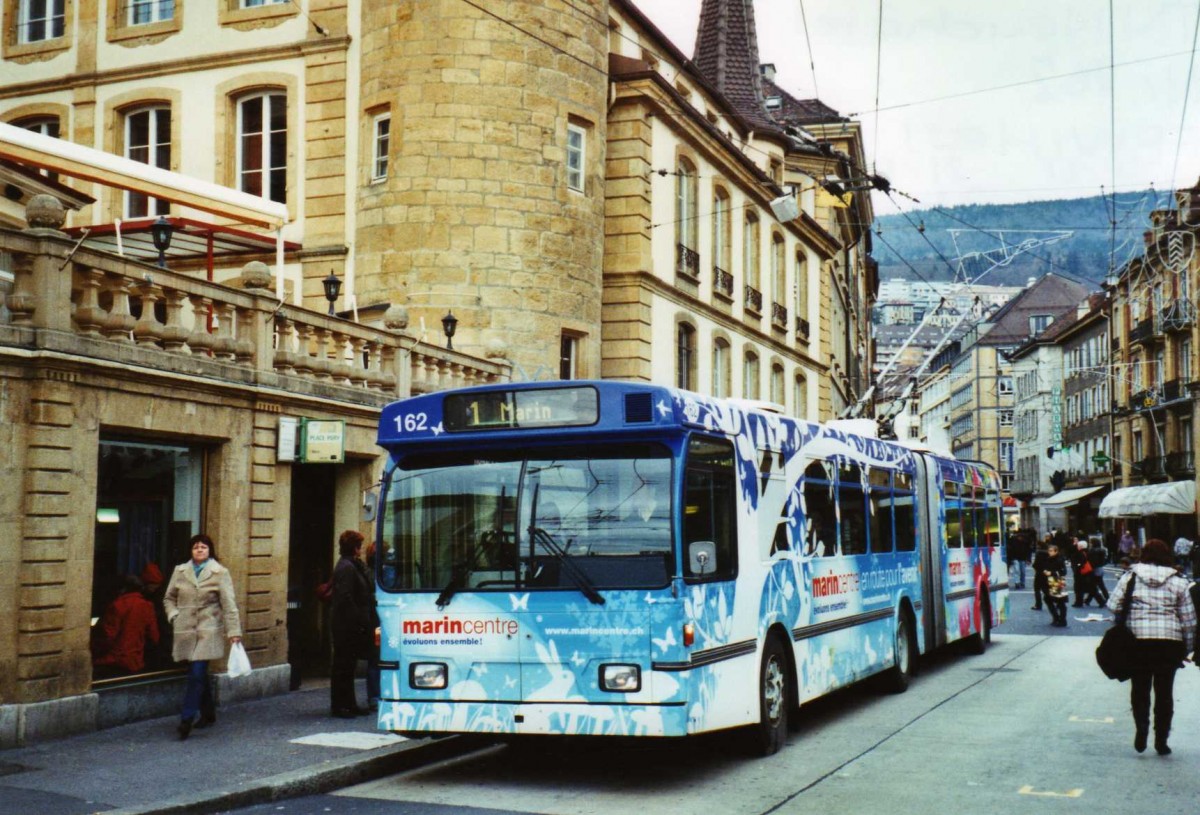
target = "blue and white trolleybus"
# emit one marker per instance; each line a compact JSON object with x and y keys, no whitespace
{"x":623,"y":559}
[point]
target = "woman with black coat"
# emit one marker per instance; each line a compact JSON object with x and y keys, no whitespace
{"x":350,"y":625}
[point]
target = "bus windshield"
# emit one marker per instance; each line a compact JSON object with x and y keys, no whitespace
{"x":580,"y":518}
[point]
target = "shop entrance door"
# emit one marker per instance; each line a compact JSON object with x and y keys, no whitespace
{"x":311,"y":550}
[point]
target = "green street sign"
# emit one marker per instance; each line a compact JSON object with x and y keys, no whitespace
{"x":1100,"y":458}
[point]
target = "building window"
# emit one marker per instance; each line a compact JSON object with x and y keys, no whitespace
{"x":778,"y":271}
{"x":1006,"y":418}
{"x":1005,"y":385}
{"x":750,"y":376}
{"x":777,"y":394}
{"x":750,"y":251}
{"x":720,"y":224}
{"x":262,"y":145}
{"x":40,"y":20}
{"x":685,"y":356}
{"x":801,"y":289}
{"x":568,"y":357}
{"x":144,"y":12}
{"x":46,"y":126}
{"x":1039,"y":323}
{"x":687,"y":261}
{"x":258,"y":3}
{"x":148,"y":504}
{"x":148,"y":140}
{"x":801,"y":396}
{"x":576,"y":153}
{"x":382,"y":132}
{"x":720,"y":369}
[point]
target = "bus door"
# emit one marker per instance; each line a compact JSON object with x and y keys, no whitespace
{"x":930,"y":548}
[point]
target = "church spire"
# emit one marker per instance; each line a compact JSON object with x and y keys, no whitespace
{"x":727,"y":55}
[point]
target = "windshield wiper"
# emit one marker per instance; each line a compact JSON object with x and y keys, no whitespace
{"x":488,"y":540}
{"x":581,"y":580}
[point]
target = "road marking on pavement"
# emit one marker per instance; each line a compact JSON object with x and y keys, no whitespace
{"x":1029,"y":790}
{"x":353,"y":741}
{"x":1105,"y":720}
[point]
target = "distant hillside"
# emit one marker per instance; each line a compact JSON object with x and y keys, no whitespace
{"x":1084,"y":255}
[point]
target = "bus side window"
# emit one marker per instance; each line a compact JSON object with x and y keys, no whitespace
{"x":953,"y":516}
{"x":709,"y":511}
{"x":881,"y":513}
{"x":852,"y":510}
{"x":820,"y":537}
{"x":970,"y":517}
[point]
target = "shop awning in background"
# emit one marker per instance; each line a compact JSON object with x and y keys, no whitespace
{"x":1172,"y":498}
{"x":1068,"y":498}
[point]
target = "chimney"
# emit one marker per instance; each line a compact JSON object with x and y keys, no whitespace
{"x":767,"y":69}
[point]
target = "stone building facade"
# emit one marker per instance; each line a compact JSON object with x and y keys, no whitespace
{"x":582,"y":197}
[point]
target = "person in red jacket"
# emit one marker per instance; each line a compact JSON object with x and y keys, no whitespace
{"x":123,"y":629}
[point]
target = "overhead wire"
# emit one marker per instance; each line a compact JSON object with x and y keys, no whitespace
{"x":1186,"y":92}
{"x":1112,"y":134}
{"x":878,"y":75}
{"x":812,"y":63}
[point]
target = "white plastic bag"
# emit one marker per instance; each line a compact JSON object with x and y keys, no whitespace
{"x":239,"y":663}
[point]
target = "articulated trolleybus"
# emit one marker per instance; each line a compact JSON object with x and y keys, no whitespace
{"x":622,"y":559}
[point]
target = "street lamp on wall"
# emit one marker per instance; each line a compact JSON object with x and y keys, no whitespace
{"x":161,"y":232}
{"x":449,"y":323}
{"x":333,"y":287}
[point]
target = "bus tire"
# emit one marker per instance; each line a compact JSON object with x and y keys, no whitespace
{"x":978,"y":642}
{"x":770,"y":734}
{"x":899,"y":676}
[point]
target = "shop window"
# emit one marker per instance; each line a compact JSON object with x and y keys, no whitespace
{"x":148,"y":504}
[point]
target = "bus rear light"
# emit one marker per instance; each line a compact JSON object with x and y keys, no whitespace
{"x":621,"y":678}
{"x":427,"y":675}
{"x":689,"y":634}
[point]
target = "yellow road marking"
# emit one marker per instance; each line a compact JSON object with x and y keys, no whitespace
{"x":1029,"y":790}
{"x":1105,"y":720}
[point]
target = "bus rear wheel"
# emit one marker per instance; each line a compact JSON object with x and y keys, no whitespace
{"x":898,"y":677}
{"x":770,"y":734}
{"x":978,"y":642}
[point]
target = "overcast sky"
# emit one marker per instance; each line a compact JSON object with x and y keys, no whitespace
{"x":1049,"y":138}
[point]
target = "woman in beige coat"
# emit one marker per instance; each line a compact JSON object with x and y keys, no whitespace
{"x":203,"y":614}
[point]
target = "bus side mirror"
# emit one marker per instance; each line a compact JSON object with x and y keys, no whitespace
{"x":702,"y":557}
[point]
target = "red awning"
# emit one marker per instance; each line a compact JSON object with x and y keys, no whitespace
{"x":191,"y":240}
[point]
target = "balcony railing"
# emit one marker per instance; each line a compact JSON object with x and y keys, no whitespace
{"x":1181,"y":463}
{"x":779,"y":316}
{"x":1179,"y":316}
{"x":1145,"y":330}
{"x":1173,"y":390}
{"x":722,"y":283}
{"x":753,"y":299}
{"x":1150,"y":466}
{"x":687,"y":261}
{"x":191,"y":326}
{"x":801,"y":328}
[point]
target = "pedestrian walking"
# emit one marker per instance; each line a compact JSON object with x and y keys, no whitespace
{"x":1056,"y":586}
{"x":1183,"y":553}
{"x":1039,"y":566}
{"x":1163,"y":618}
{"x":1096,"y":590}
{"x":203,"y":614}
{"x":352,"y":632}
{"x":1080,"y":569}
{"x":1126,"y":544}
{"x":1018,"y":556}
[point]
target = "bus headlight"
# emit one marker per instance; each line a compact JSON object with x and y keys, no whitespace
{"x":427,"y":675}
{"x":621,"y":678}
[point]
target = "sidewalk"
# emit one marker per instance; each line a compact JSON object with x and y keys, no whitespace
{"x":258,"y":751}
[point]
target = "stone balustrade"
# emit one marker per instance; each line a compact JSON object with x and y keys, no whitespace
{"x":72,"y":299}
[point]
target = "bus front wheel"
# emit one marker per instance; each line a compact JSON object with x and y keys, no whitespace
{"x":978,"y":642}
{"x":770,"y":733}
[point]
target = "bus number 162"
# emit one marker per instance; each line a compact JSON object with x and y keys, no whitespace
{"x":410,"y":422}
